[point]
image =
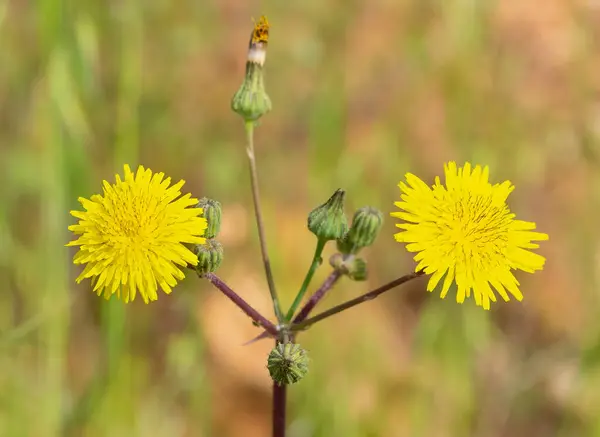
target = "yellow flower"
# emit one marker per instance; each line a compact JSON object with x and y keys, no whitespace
{"x":131,"y":237}
{"x":465,"y":231}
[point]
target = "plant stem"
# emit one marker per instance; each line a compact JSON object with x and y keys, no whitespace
{"x":316,"y":262}
{"x":242,"y":304}
{"x":312,"y":302}
{"x":349,"y":304}
{"x":279,"y":406}
{"x":319,"y":294}
{"x":249,"y":125}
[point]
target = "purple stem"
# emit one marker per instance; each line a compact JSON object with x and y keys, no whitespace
{"x":317,"y":296}
{"x":356,"y":301}
{"x":279,"y":405}
{"x":242,"y":304}
{"x":312,"y":302}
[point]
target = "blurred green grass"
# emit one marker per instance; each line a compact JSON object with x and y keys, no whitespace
{"x":362,"y":94}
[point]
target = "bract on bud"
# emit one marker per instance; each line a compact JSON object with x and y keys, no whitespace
{"x":211,"y":211}
{"x":328,"y":221}
{"x":210,"y":256}
{"x":287,"y":363}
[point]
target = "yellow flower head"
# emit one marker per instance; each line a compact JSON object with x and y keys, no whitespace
{"x":132,"y":237}
{"x":465,"y":231}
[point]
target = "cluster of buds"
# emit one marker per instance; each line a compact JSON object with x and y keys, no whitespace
{"x":328,"y":222}
{"x":210,"y":254}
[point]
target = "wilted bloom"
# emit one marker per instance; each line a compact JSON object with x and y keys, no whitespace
{"x":251,"y":100}
{"x":463,"y":230}
{"x":257,"y":48}
{"x":131,"y":238}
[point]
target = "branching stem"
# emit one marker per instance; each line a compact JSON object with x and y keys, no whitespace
{"x":353,"y":302}
{"x":242,"y":304}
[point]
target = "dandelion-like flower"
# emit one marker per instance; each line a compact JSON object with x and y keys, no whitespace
{"x":132,"y":237}
{"x":463,"y":230}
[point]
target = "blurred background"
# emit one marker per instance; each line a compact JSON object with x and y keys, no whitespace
{"x":362,"y":93}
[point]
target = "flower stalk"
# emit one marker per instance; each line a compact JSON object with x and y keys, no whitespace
{"x":316,"y":262}
{"x":317,"y":296}
{"x":259,"y":220}
{"x":351,"y":303}
{"x":257,"y":317}
{"x":279,"y":409}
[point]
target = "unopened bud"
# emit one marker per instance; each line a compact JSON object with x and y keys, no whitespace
{"x":211,"y":211}
{"x":210,"y":256}
{"x":366,"y":224}
{"x":357,"y":269}
{"x":349,"y":265}
{"x":287,"y":363}
{"x":328,"y":221}
{"x":251,"y":100}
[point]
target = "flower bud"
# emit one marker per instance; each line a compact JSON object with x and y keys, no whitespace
{"x":212,"y":213}
{"x":349,"y":265}
{"x":357,"y":269}
{"x":210,"y":256}
{"x":366,"y":224}
{"x":251,"y":100}
{"x":328,"y":221}
{"x":287,"y":363}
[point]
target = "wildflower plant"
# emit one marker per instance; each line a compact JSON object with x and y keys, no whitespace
{"x":141,"y":234}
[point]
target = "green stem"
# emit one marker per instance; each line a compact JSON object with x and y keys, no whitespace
{"x":249,"y":125}
{"x":316,"y":262}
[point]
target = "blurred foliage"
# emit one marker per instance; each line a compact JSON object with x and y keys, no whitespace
{"x":362,"y":93}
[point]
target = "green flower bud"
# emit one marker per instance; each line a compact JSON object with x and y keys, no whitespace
{"x":349,"y":265}
{"x":357,"y":269}
{"x":212,"y":213}
{"x":251,"y":100}
{"x":210,"y":256}
{"x":287,"y":363}
{"x":328,"y":221}
{"x":366,"y":224}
